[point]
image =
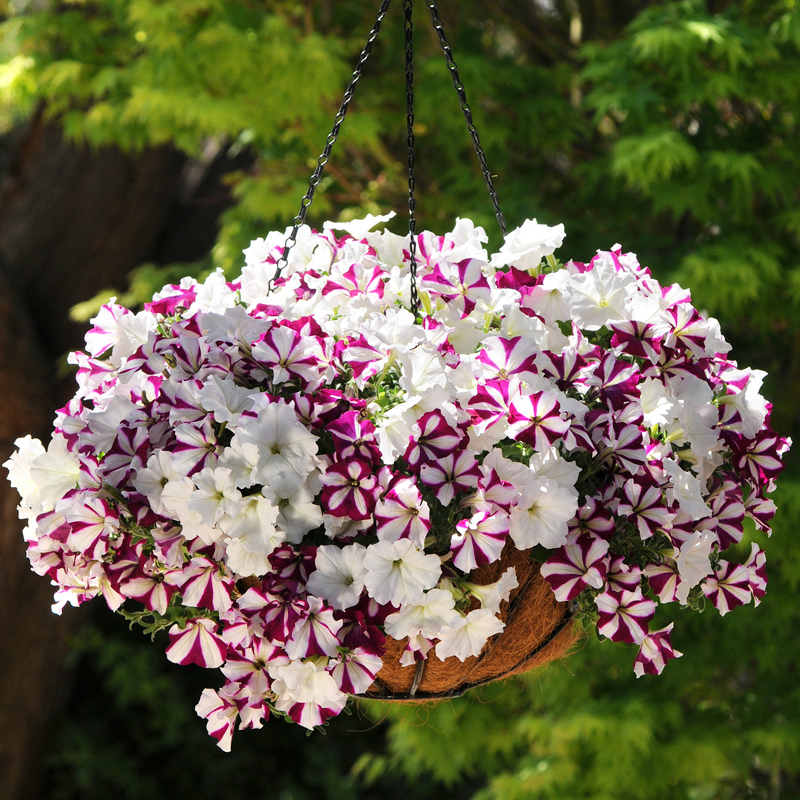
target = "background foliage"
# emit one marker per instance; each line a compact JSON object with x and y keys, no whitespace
{"x":671,"y":127}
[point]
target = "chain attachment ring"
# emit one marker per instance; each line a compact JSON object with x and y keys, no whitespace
{"x":316,"y":177}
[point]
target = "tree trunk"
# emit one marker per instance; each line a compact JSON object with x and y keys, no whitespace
{"x":72,"y":222}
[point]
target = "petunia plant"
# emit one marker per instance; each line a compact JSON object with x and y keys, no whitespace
{"x":286,"y":470}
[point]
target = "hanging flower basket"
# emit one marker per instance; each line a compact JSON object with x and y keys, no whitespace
{"x":398,"y":467}
{"x":322,"y":496}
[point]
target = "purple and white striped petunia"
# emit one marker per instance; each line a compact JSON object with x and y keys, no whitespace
{"x":462,"y":284}
{"x":617,"y":381}
{"x":363,"y":359}
{"x":356,"y":280}
{"x":644,"y":504}
{"x":664,"y":580}
{"x":536,"y":419}
{"x":314,"y":634}
{"x":154,"y":591}
{"x":579,"y":564}
{"x":204,"y":585}
{"x":454,"y":473}
{"x":290,"y":355}
{"x":197,"y":643}
{"x":622,"y":577}
{"x":436,"y":439}
{"x":354,"y":437}
{"x":623,"y":445}
{"x":654,"y":652}
{"x":220,"y":710}
{"x":479,"y":540}
{"x":594,"y":517}
{"x":403,"y":514}
{"x":500,"y":358}
{"x":624,"y":616}
{"x":349,"y":489}
{"x":757,"y":564}
{"x":247,"y":667}
{"x":355,"y":672}
{"x":491,"y":403}
{"x":728,"y":587}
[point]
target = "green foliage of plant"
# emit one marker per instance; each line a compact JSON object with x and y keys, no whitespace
{"x":718,"y":720}
{"x":652,"y":158}
{"x":673,"y":129}
{"x":131,"y":732}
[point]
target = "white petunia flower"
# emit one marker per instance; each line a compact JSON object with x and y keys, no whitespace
{"x":216,"y":494}
{"x":54,"y":472}
{"x":252,"y":536}
{"x":434,"y":611}
{"x":548,"y":300}
{"x":306,"y":684}
{"x":286,"y":448}
{"x":542,"y":514}
{"x":133,"y":332}
{"x":152,"y":480}
{"x":658,"y":407}
{"x":423,"y":370}
{"x":339,"y":575}
{"x":549,"y":464}
{"x":598,"y":296}
{"x":358,"y":228}
{"x":223,"y":398}
{"x":19,"y":474}
{"x":214,"y":294}
{"x":693,"y":562}
{"x":468,"y":635}
{"x":526,"y":246}
{"x":749,"y":402}
{"x":398,"y":572}
{"x":490,"y":595}
{"x":686,"y":490}
{"x":241,"y":458}
{"x":297,"y":512}
{"x":696,"y":418}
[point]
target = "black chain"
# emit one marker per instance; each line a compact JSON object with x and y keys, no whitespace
{"x":412,"y":203}
{"x":348,"y":96}
{"x":462,"y":96}
{"x":329,"y":142}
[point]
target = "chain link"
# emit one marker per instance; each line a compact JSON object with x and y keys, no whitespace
{"x":412,"y":203}
{"x":462,"y":96}
{"x":316,"y":178}
{"x":329,"y":142}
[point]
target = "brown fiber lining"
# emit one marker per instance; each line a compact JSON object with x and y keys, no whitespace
{"x":538,"y":630}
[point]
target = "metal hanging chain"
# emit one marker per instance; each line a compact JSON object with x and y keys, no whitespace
{"x":451,"y":65}
{"x":412,"y":203}
{"x":329,"y":142}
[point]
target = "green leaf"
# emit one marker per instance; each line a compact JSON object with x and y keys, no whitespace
{"x":648,"y":158}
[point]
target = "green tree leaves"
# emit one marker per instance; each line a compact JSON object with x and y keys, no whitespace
{"x":673,"y":129}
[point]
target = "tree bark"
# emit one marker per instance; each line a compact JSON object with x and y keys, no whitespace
{"x":72,"y":222}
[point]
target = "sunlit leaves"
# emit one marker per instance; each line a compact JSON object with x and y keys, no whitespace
{"x":652,"y":157}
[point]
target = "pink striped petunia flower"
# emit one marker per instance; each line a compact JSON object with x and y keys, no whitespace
{"x":654,"y":652}
{"x":479,"y":540}
{"x":728,"y":587}
{"x":457,"y":472}
{"x":349,"y":489}
{"x":624,"y":616}
{"x":582,"y":562}
{"x":197,"y":643}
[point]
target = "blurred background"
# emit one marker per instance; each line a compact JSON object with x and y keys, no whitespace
{"x":144,"y":140}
